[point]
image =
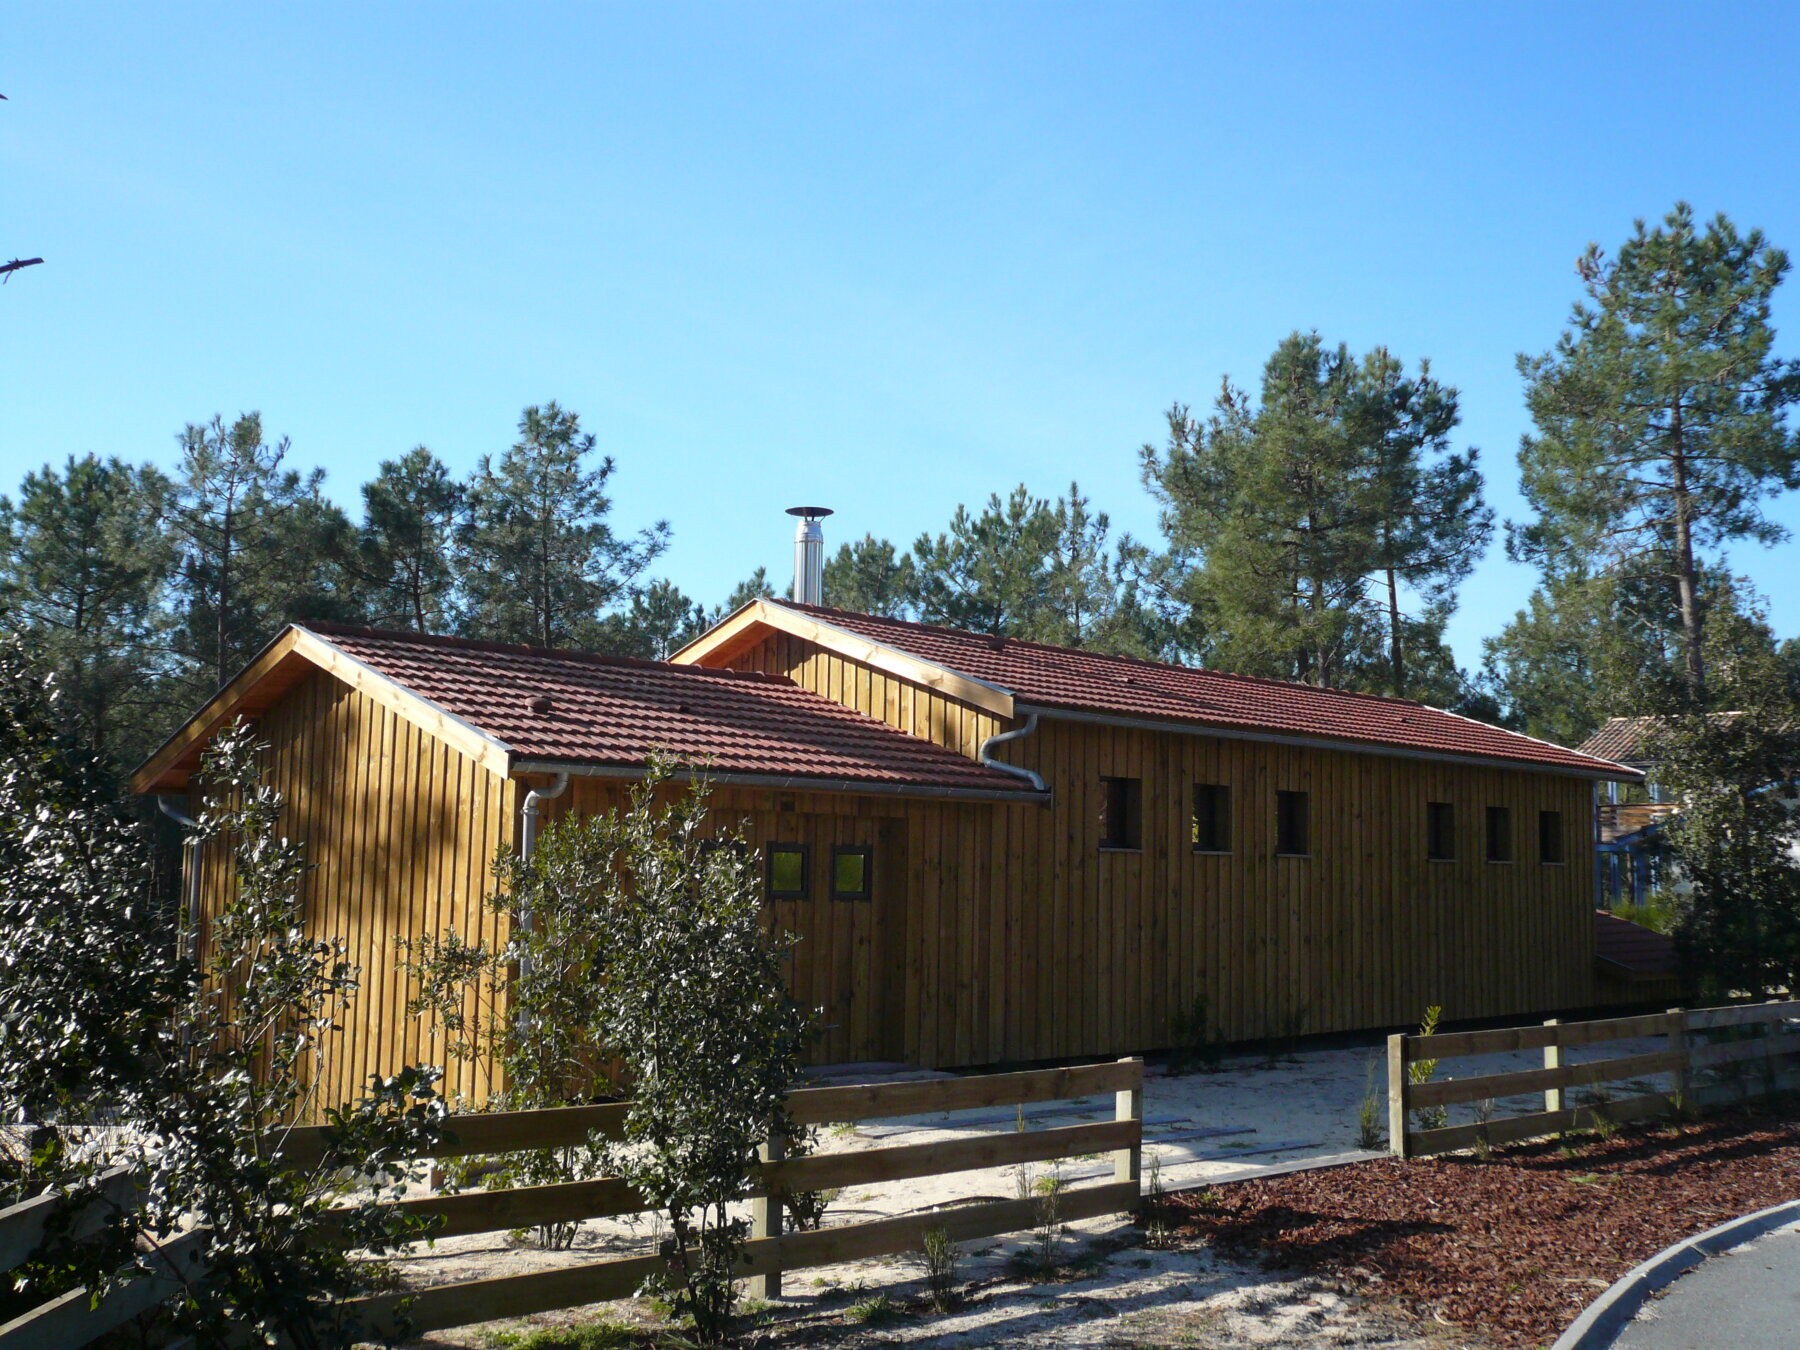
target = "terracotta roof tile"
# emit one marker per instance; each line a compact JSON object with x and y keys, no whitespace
{"x":1064,"y":677}
{"x":616,"y":710}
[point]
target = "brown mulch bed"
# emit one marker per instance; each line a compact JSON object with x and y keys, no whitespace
{"x":1512,"y":1248}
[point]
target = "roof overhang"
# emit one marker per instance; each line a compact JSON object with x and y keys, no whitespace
{"x":734,"y":636}
{"x":1615,"y":773}
{"x":787,"y":782}
{"x":294,"y":654}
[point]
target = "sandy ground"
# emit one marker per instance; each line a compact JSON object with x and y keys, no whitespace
{"x":1199,"y":1129}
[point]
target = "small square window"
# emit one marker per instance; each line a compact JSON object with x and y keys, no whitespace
{"x":1121,"y":825}
{"x":790,"y":867}
{"x":1499,"y":834}
{"x":1211,"y":832}
{"x":1292,"y":828}
{"x":1550,"y":837}
{"x":1440,"y":831}
{"x":850,"y":872}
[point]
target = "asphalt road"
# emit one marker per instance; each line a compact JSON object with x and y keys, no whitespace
{"x":1746,"y":1299}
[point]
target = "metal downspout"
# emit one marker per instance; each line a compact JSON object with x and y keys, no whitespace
{"x":528,"y":833}
{"x":187,"y":924}
{"x":1000,"y":738}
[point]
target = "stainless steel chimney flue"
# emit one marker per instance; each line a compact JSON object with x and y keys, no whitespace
{"x":809,"y":554}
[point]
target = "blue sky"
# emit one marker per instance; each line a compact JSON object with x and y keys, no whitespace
{"x":886,"y":257}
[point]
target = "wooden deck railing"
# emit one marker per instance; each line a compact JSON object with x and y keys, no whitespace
{"x":70,"y":1322}
{"x":1768,"y":1033}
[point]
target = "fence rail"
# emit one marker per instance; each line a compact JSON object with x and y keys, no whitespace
{"x":75,"y":1319}
{"x":1771,"y":1031}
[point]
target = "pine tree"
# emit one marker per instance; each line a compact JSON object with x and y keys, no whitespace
{"x":259,"y":547}
{"x":1271,"y":513}
{"x":1659,"y":415}
{"x":538,"y":560}
{"x":660,"y":622}
{"x":83,"y":569}
{"x":989,"y":573}
{"x":1432,"y":525}
{"x":403,"y":552}
{"x":870,"y":576}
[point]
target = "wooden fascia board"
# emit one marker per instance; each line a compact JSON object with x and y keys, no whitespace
{"x":493,"y":755}
{"x":738,"y":632}
{"x":295,"y":642}
{"x":214,"y":712}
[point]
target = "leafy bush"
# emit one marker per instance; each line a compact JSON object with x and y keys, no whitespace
{"x":195,"y":1070}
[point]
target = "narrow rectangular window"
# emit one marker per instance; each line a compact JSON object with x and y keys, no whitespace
{"x":1440,"y":831}
{"x":1499,"y":834}
{"x":789,"y":871}
{"x":850,"y":871}
{"x":1291,"y":825}
{"x":1120,"y":826}
{"x":1550,"y":837}
{"x":1212,"y":818}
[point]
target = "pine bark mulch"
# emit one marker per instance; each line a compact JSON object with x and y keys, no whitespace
{"x":1515,"y":1247}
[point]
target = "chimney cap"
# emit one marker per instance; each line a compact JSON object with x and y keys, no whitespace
{"x":810,"y":512}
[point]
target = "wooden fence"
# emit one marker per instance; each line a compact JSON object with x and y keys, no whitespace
{"x":70,"y":1321}
{"x":1741,"y":1040}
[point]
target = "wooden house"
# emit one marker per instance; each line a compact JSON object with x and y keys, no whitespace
{"x":992,"y":850}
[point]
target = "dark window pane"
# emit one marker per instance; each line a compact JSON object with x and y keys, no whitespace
{"x":1499,"y":834}
{"x":1212,"y":818}
{"x":1550,"y":836}
{"x":787,"y":871}
{"x":1440,"y":831}
{"x":850,"y":873}
{"x":1291,"y":824}
{"x":1122,"y":804}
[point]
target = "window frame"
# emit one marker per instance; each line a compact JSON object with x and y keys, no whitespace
{"x":1499,"y":842}
{"x":867,"y":853}
{"x":1131,"y":838}
{"x":769,"y":888}
{"x":1440,"y":831}
{"x":1286,"y":799}
{"x":1219,"y":815}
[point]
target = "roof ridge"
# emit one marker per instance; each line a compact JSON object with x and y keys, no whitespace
{"x":331,"y":628}
{"x":1110,"y":656}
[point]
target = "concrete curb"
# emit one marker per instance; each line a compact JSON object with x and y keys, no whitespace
{"x":1606,"y":1316}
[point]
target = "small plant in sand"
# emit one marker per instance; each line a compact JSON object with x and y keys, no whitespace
{"x":1154,"y":1209}
{"x":1484,"y":1115}
{"x":1368,"y":1111}
{"x":940,"y":1256}
{"x":1420,"y":1071}
{"x":1192,"y":1044}
{"x":874,"y":1311}
{"x":1600,"y":1111}
{"x":1050,"y":1224}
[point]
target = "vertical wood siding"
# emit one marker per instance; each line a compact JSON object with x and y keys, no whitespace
{"x":1028,"y":941}
{"x":400,"y":830}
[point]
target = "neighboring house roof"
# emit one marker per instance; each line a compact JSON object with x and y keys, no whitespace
{"x":1012,"y":676}
{"x":604,"y":713}
{"x":1626,"y":739}
{"x":1631,"y":950}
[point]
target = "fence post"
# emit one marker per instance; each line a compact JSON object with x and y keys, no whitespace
{"x":1553,"y":1059}
{"x":1399,"y":1096}
{"x":1684,"y":1071}
{"x":1128,"y":1104}
{"x":765,"y":1217}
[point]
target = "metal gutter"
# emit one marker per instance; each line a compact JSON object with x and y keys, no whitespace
{"x":1308,"y":742}
{"x":786,"y":782}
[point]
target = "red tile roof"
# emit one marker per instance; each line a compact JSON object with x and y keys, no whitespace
{"x":1040,"y":675}
{"x":1640,"y":951}
{"x":615,"y":711}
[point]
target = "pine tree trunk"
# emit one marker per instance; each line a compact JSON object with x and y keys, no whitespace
{"x":1685,"y":580}
{"x":1396,"y":656}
